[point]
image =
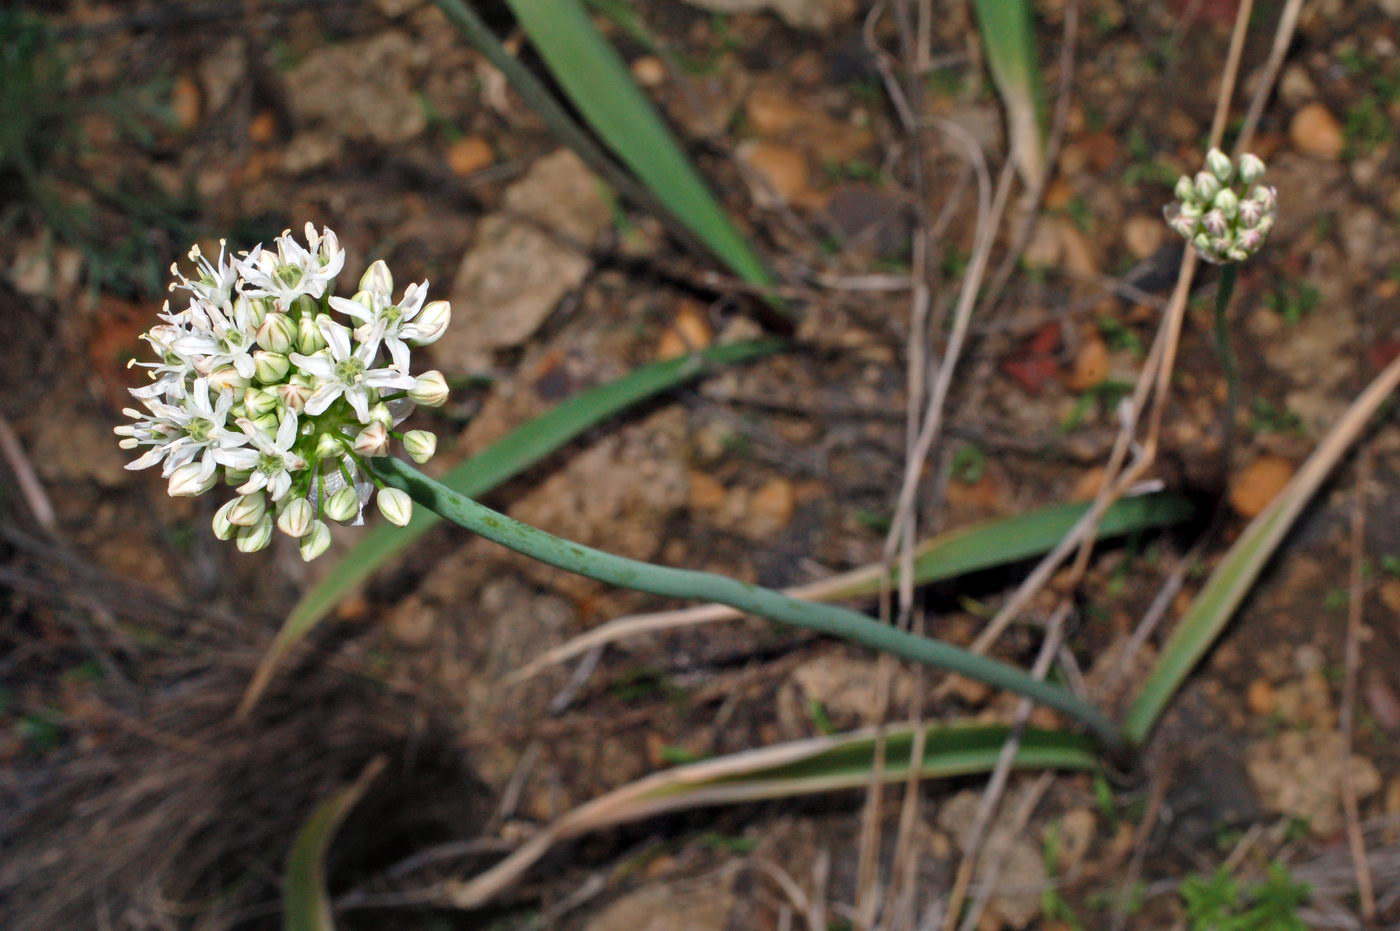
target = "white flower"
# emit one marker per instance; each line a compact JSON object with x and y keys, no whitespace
{"x":173,"y":371}
{"x":216,"y":279}
{"x":188,"y":429}
{"x":215,"y":340}
{"x":293,"y":270}
{"x":273,"y":462}
{"x":394,"y":324}
{"x":347,"y":372}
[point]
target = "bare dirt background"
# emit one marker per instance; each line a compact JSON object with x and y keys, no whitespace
{"x":132,"y":799}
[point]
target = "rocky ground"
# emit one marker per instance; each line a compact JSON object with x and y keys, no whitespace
{"x":133,"y":799}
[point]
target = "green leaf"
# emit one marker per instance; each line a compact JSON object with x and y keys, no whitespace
{"x":1008,"y":38}
{"x":803,"y":767}
{"x":508,"y":457}
{"x":598,"y":83}
{"x":306,"y":903}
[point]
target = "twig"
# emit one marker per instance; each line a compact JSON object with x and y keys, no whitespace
{"x":26,"y":478}
{"x":1355,"y":611}
{"x":991,"y":796}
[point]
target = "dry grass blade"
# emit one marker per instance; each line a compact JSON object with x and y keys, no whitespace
{"x":1232,"y":579}
{"x":821,"y":764}
{"x":1008,"y":38}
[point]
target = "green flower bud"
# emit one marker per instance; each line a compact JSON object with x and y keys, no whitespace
{"x":296,"y":518}
{"x":256,"y":402}
{"x":309,"y":338}
{"x":380,"y":413}
{"x":187,"y":482}
{"x":1228,"y":203}
{"x":251,"y":539}
{"x":278,"y":333}
{"x":227,"y":378}
{"x":1251,"y":168}
{"x":1207,"y":186}
{"x":395,"y":505}
{"x":430,"y":390}
{"x":1185,"y":190}
{"x":272,"y":367}
{"x":305,"y":305}
{"x":377,"y":278}
{"x":343,"y":504}
{"x":431,"y":323}
{"x":372,"y":440}
{"x":247,"y":510}
{"x":420,"y":445}
{"x":223,"y":527}
{"x":330,"y":446}
{"x":254,"y":309}
{"x":315,"y":542}
{"x":1219,"y":164}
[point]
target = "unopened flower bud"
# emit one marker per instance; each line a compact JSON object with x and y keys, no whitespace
{"x":305,"y":305}
{"x":226,"y":378}
{"x":234,"y":476}
{"x":296,"y":518}
{"x":1250,"y":213}
{"x":294,"y":395}
{"x":309,"y":338}
{"x":380,"y":413}
{"x":1265,"y":195}
{"x":256,"y":402}
{"x":432,"y":322}
{"x":329,"y":446}
{"x":251,"y":539}
{"x":1192,"y":209}
{"x":267,"y":423}
{"x":251,"y":309}
{"x":1228,"y":203}
{"x":372,"y":440}
{"x":343,"y":504}
{"x":1185,"y":190}
{"x":1249,"y":240}
{"x":316,"y":540}
{"x":420,"y":445}
{"x":187,"y":481}
{"x":278,"y":333}
{"x":271,"y":367}
{"x":430,"y":389}
{"x":1215,"y":223}
{"x":1207,"y":186}
{"x":1251,"y":168}
{"x":1219,"y":164}
{"x":377,"y":278}
{"x":247,"y":510}
{"x":395,"y":505}
{"x":223,"y":527}
{"x":365,"y":299}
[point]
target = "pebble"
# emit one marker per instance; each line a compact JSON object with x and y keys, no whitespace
{"x":1260,"y":697}
{"x":184,"y":102}
{"x":782,"y":170}
{"x":1258,"y":484}
{"x":470,"y":155}
{"x":773,"y":503}
{"x":1316,"y":132}
{"x":1143,"y":235}
{"x":770,"y":112}
{"x":706,"y":494}
{"x":262,"y":128}
{"x":649,"y":71}
{"x":1090,"y":365}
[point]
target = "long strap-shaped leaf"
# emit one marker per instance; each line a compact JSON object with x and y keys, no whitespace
{"x":305,"y":902}
{"x":600,"y":86}
{"x":1232,"y":579}
{"x":1008,"y":40}
{"x":506,"y":458}
{"x":821,"y":764}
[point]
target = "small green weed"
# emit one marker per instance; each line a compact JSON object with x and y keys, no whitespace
{"x":1267,"y":417}
{"x":1292,"y":300}
{"x":1217,"y":903}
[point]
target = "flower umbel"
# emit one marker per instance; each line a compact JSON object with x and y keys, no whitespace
{"x":256,"y":382}
{"x":1224,"y":212}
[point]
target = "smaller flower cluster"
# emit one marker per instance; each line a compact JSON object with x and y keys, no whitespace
{"x":1224,"y":211}
{"x":256,"y":382}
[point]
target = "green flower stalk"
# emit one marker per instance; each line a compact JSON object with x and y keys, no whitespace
{"x":1224,"y":212}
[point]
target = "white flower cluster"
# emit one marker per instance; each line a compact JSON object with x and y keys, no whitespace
{"x":1224,"y":211}
{"x":257,"y":383}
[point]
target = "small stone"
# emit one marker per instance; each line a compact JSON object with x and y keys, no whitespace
{"x":470,"y":155}
{"x":1295,"y":87}
{"x":706,"y":494}
{"x":1316,"y":132}
{"x":412,"y":623}
{"x":1090,"y":365}
{"x":693,"y":324}
{"x":770,"y":112}
{"x":649,"y":71}
{"x":781,"y":173}
{"x":1143,"y":235}
{"x":185,"y":103}
{"x":1260,"y":697}
{"x":262,"y":128}
{"x":773,"y":503}
{"x":1258,"y":484}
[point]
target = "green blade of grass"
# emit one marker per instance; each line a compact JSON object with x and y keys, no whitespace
{"x":1227,"y":586}
{"x":306,"y":903}
{"x":508,"y":457}
{"x":598,"y":83}
{"x":803,"y":767}
{"x":968,"y":549}
{"x":1008,"y":39}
